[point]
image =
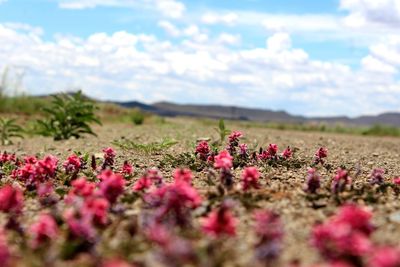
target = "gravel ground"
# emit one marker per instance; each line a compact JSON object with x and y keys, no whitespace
{"x":283,"y":185}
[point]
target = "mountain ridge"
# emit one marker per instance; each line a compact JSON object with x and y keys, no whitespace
{"x":165,"y":108}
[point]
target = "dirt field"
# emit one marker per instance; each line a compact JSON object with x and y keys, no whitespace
{"x":282,"y":185}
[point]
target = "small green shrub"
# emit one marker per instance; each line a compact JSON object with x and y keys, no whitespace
{"x":8,"y":130}
{"x":222,"y":131}
{"x":150,"y":148}
{"x":68,"y":116}
{"x":137,"y":117}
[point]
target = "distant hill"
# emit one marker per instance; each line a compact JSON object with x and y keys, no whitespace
{"x":250,"y":114}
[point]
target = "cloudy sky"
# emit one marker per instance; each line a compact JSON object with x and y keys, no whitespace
{"x":310,"y":57}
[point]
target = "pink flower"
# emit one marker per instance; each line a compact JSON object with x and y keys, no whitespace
{"x":183,"y":175}
{"x":385,"y":257}
{"x":234,"y":137}
{"x":30,"y":159}
{"x":82,"y":187}
{"x":111,"y":186}
{"x":358,"y":218}
{"x":11,"y":199}
{"x":250,"y":178}
{"x":272,"y":150}
{"x":155,"y":176}
{"x":5,"y":254}
{"x":109,"y":157}
{"x":340,"y":181}
{"x":143,"y":183}
{"x":313,"y":182}
{"x":223,"y":160}
{"x":320,"y":155}
{"x":173,"y":202}
{"x":97,"y":207}
{"x":47,"y":167}
{"x":339,"y":241}
{"x":26,"y":173}
{"x":269,"y":231}
{"x":220,"y":222}
{"x":5,"y":157}
{"x":376,"y":176}
{"x":44,"y":230}
{"x":396,"y":180}
{"x":345,"y":235}
{"x":264,"y":155}
{"x":79,"y":225}
{"x":72,"y":164}
{"x":243,"y":149}
{"x":45,"y":189}
{"x":127,"y":169}
{"x":287,"y":153}
{"x":203,"y":150}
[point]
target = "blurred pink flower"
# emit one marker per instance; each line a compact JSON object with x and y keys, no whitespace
{"x":223,"y":160}
{"x":340,"y":180}
{"x":183,"y":175}
{"x":11,"y":199}
{"x":250,"y":177}
{"x":111,"y":185}
{"x":321,"y":153}
{"x":376,"y":176}
{"x":72,"y":164}
{"x":385,"y":257}
{"x":313,"y":181}
{"x":43,"y":230}
{"x":220,"y":222}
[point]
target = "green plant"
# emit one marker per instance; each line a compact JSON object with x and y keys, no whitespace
{"x":137,"y":117}
{"x":149,"y":148}
{"x":68,"y":116}
{"x":222,"y":131}
{"x":8,"y":130}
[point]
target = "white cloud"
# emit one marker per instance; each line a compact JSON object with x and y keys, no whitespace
{"x":137,"y":66}
{"x":215,"y":18}
{"x":168,"y":8}
{"x":384,"y":56}
{"x":364,"y":12}
{"x":229,"y":39}
{"x":170,"y":28}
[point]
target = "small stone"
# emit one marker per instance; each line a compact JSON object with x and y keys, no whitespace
{"x":395,"y":217}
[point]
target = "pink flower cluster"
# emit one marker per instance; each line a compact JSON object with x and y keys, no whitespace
{"x":313,"y":181}
{"x":43,"y":230}
{"x":35,"y":171}
{"x":271,"y":153}
{"x":109,"y":158}
{"x":72,"y":164}
{"x":376,"y":176}
{"x":223,"y":161}
{"x":269,"y":231}
{"x":5,"y":158}
{"x":172,"y":202}
{"x":220,"y":222}
{"x":152,"y":176}
{"x":11,"y":199}
{"x":203,"y":150}
{"x":345,"y":236}
{"x":320,"y":155}
{"x":250,"y":177}
{"x":111,"y":185}
{"x":340,"y":181}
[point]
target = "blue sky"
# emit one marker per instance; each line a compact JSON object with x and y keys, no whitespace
{"x":309,"y":57}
